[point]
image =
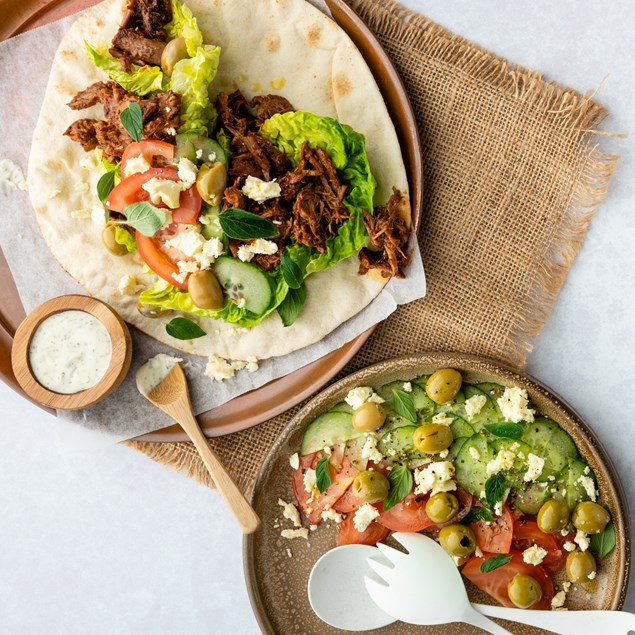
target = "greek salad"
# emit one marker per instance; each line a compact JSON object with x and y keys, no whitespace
{"x":503,"y":489}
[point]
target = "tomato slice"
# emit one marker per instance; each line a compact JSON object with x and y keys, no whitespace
{"x":495,"y":582}
{"x":348,"y":502}
{"x":348,"y":535}
{"x":408,"y":515}
{"x":340,"y":481}
{"x":149,"y":148}
{"x":527,"y":533}
{"x":157,"y":260}
{"x":129,"y":190}
{"x":494,"y":537}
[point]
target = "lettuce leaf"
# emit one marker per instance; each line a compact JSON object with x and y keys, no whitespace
{"x":125,"y":238}
{"x":166,"y":296}
{"x":191,"y":78}
{"x":346,"y":149}
{"x":184,"y":25}
{"x":141,"y":80}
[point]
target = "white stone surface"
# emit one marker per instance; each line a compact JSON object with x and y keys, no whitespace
{"x":108,"y":542}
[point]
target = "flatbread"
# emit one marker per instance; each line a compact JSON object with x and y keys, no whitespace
{"x":285,"y":47}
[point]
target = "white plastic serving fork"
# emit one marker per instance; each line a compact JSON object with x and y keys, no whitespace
{"x":425,"y":587}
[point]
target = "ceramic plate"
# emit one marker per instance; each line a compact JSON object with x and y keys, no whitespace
{"x":277,"y":583}
{"x":283,"y":393}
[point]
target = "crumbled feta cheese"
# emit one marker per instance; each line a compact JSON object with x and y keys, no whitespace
{"x":477,"y":552}
{"x":370,"y":451}
{"x":163,"y":191}
{"x":310,"y":482}
{"x":582,"y":540}
{"x":435,"y":477}
{"x":290,"y":534}
{"x":534,"y":467}
{"x":135,"y":165}
{"x":171,"y":131}
{"x":289,"y":553}
{"x":290,"y":512}
{"x":187,"y":173}
{"x":504,"y":461}
{"x":313,"y":527}
{"x":258,"y":190}
{"x":534,"y":555}
{"x":498,"y":508}
{"x":589,"y":486}
{"x":199,"y":153}
{"x":211,"y":157}
{"x":442,"y":419}
{"x":407,"y":386}
{"x":294,"y":461}
{"x":218,"y":368}
{"x":443,"y":453}
{"x":592,"y":575}
{"x":128,"y":285}
{"x":187,"y":266}
{"x":212,"y":249}
{"x":364,"y":516}
{"x":92,"y":160}
{"x":569,"y":546}
{"x":551,"y":477}
{"x":179,"y":277}
{"x":81,"y":186}
{"x":514,"y":405}
{"x":259,"y":246}
{"x":359,"y":396}
{"x":331,"y":514}
{"x":474,"y":453}
{"x":190,"y":242}
{"x":474,"y":405}
{"x":587,"y":470}
{"x":327,"y":450}
{"x":252,"y":364}
{"x":558,"y":600}
{"x":565,"y":530}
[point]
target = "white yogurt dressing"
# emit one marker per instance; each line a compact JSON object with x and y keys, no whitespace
{"x":70,"y":351}
{"x":11,"y":176}
{"x":152,"y":373}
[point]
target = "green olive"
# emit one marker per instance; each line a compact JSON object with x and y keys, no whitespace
{"x":443,"y":385}
{"x":369,"y":417}
{"x":371,"y":486}
{"x":580,"y":565}
{"x":147,"y":310}
{"x":211,"y":181}
{"x":442,"y":507}
{"x":524,"y":591}
{"x":205,"y":290}
{"x":432,"y":438}
{"x":553,"y":516}
{"x":590,"y":517}
{"x":175,"y":51}
{"x":108,"y":238}
{"x":458,"y":540}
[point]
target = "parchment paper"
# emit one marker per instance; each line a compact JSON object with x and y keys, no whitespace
{"x":25,"y":61}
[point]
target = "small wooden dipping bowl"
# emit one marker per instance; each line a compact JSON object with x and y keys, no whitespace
{"x":119,"y":360}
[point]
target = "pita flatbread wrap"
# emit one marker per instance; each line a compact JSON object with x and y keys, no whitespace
{"x":285,"y":47}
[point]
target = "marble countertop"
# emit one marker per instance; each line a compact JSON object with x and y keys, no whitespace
{"x":106,"y":541}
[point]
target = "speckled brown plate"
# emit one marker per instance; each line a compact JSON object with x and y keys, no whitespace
{"x":277,"y":584}
{"x":285,"y":392}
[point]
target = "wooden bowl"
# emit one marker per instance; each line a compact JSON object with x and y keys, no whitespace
{"x":114,"y":375}
{"x":277,"y":583}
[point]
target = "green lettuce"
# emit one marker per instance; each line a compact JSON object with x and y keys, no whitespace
{"x":346,"y":149}
{"x":184,"y":24}
{"x":125,"y":238}
{"x":141,"y":80}
{"x":191,"y":78}
{"x":168,"y":297}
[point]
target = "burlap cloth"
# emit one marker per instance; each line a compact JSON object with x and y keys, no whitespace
{"x":512,"y":176}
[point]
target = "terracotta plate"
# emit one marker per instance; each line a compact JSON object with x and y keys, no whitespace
{"x":283,"y":393}
{"x":277,"y":584}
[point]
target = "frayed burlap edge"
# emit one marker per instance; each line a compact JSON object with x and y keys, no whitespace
{"x":562,"y":106}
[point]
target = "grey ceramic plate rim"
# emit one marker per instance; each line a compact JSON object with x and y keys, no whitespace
{"x":336,"y":392}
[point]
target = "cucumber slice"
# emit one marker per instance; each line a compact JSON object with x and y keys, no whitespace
{"x":398,"y":444}
{"x":460,"y":427}
{"x":244,"y":281}
{"x":492,"y":390}
{"x":455,"y":448}
{"x":422,"y":403}
{"x":353,"y":452}
{"x":456,"y":406}
{"x":196,"y":148}
{"x":531,"y":499}
{"x":342,"y":406}
{"x":515,"y":476}
{"x":566,"y":485}
{"x":330,"y":428}
{"x":394,"y":421}
{"x":471,"y":472}
{"x":489,"y":413}
{"x":550,"y":442}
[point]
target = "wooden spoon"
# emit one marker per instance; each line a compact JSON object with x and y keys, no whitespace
{"x":171,"y":396}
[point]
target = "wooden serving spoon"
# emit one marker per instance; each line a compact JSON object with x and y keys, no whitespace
{"x":171,"y":396}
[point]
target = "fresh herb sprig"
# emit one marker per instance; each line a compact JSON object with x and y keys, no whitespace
{"x":495,"y":562}
{"x":322,"y":474}
{"x":131,"y":119}
{"x":404,"y":405}
{"x":290,"y":307}
{"x":183,"y":329}
{"x":400,"y":479}
{"x":238,"y":223}
{"x":143,"y":217}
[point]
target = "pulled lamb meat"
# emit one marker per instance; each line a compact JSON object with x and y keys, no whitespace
{"x":388,"y":233}
{"x":160,"y":118}
{"x":141,"y":36}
